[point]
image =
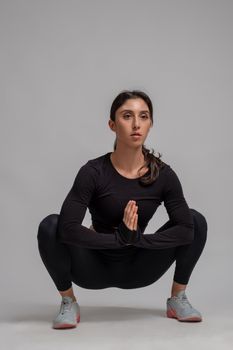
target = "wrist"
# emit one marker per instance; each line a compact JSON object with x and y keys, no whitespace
{"x":128,"y":236}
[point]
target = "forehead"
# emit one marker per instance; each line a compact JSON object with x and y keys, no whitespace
{"x":134,"y":104}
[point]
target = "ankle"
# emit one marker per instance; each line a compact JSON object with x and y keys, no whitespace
{"x":176,"y":288}
{"x":73,"y":298}
{"x":68,"y":294}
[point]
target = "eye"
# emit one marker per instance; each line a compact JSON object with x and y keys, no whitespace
{"x":144,"y":116}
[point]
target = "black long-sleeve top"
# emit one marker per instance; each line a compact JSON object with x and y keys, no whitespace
{"x":99,"y":187}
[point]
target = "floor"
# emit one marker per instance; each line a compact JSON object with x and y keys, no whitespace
{"x":28,"y":326}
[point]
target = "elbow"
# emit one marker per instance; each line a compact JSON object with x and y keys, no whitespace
{"x":68,"y":233}
{"x":64,"y":229}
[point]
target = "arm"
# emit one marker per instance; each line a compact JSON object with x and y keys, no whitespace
{"x":70,"y":228}
{"x":180,"y":230}
{"x":129,"y":237}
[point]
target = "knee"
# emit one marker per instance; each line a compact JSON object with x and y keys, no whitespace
{"x":48,"y":227}
{"x":200,"y":220}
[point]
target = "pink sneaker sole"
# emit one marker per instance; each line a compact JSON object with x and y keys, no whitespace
{"x":172,"y":314}
{"x":66,"y":325}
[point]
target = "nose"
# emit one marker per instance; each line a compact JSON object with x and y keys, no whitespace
{"x":136,"y":123}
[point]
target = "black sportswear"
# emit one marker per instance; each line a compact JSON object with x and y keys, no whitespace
{"x":99,"y":187}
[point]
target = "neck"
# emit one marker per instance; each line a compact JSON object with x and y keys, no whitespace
{"x":129,"y":159}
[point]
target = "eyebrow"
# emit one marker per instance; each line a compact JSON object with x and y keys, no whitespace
{"x":129,"y":110}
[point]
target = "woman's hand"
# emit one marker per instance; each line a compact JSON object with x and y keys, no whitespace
{"x":128,"y":231}
{"x":130,"y":215}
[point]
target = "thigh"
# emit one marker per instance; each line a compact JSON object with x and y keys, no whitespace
{"x":148,"y":265}
{"x":145,"y":267}
{"x":89,"y":269}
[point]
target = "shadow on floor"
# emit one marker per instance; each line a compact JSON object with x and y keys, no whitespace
{"x":41,"y":313}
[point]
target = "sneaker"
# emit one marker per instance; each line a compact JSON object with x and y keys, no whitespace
{"x":179,"y":307}
{"x":68,"y":315}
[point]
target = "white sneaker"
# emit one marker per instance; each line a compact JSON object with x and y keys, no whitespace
{"x":69,"y":314}
{"x":180,"y":308}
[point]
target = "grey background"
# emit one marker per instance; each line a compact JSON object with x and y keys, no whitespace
{"x":62,"y":64}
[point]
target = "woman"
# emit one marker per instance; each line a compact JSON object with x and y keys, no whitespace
{"x":122,"y":190}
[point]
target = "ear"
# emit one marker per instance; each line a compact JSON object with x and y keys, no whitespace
{"x":111,"y":125}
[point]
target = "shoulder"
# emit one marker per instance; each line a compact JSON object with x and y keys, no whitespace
{"x":171,"y":181}
{"x":168,"y":174}
{"x":93,"y":167}
{"x":166,"y":168}
{"x":96,"y":163}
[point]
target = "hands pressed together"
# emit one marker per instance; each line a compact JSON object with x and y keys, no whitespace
{"x":130,"y":215}
{"x":128,"y":229}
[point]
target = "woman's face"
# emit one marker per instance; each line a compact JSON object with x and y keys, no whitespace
{"x":132,"y":117}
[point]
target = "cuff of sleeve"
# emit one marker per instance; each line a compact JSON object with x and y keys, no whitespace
{"x":128,"y":236}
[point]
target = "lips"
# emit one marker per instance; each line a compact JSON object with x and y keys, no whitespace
{"x":136,"y":134}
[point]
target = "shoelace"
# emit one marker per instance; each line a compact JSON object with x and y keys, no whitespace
{"x":65,"y":306}
{"x":184,"y":301}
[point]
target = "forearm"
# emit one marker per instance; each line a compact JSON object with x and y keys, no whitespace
{"x":168,"y":238}
{"x":81,"y":236}
{"x":172,"y":237}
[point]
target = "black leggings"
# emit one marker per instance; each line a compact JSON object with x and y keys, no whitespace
{"x":91,"y":269}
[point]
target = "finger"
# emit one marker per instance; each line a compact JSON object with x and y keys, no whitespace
{"x":134,"y":218}
{"x":132,"y":223}
{"x":130,"y":203}
{"x":131,"y":219}
{"x":128,"y":223}
{"x":129,"y":206}
{"x":135,"y":222}
{"x":131,"y":211}
{"x":128,"y":209}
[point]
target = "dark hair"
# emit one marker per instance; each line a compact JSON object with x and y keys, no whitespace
{"x":151,"y":161}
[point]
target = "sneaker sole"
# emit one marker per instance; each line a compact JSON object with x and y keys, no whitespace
{"x":66,"y":325}
{"x":172,"y":314}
